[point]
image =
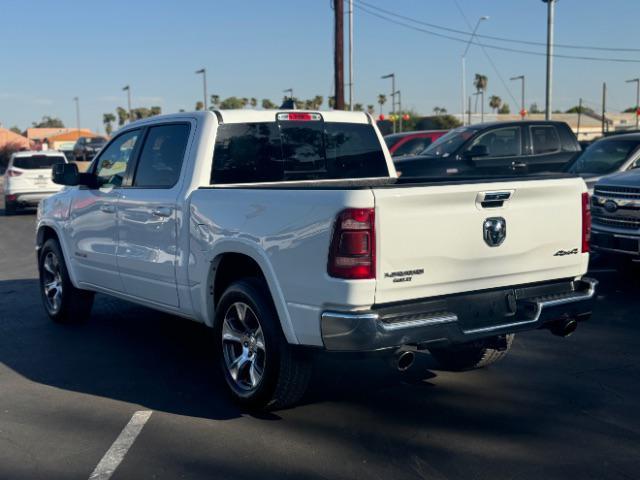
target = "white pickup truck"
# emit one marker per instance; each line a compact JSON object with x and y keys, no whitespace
{"x":288,"y":232}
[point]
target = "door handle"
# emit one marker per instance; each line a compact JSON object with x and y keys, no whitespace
{"x":162,"y":211}
{"x":108,"y":208}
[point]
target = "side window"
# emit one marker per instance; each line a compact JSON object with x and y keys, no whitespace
{"x":412,"y":147}
{"x":247,"y":153}
{"x":545,"y":139}
{"x":502,"y":142}
{"x":162,"y":156}
{"x":111,"y":167}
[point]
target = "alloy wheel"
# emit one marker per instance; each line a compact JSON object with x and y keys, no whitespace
{"x":52,"y":282}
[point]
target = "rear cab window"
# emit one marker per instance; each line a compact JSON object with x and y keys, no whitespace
{"x":290,"y":150}
{"x":37,"y":162}
{"x":545,"y":139}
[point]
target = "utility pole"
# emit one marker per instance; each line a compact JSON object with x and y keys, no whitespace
{"x":550,"y":20}
{"x":579,"y":118}
{"x":127,"y":88}
{"x":637,"y":106}
{"x":464,"y":62}
{"x":399,"y":111}
{"x":203,"y":71}
{"x":523,"y":111}
{"x":604,"y":107}
{"x":77,"y":100}
{"x":351,"y":55}
{"x":468,"y":112}
{"x":338,"y":57}
{"x":392,"y":76}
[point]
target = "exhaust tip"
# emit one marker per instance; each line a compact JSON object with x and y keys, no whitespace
{"x":404,"y":360}
{"x":564,"y":328}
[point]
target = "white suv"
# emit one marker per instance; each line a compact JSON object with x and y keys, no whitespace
{"x":28,"y":178}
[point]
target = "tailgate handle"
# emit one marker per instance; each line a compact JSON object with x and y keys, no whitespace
{"x":493,"y":199}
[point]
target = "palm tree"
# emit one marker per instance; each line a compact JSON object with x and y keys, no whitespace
{"x":245,"y":102}
{"x":317,"y":102}
{"x":123,"y":116}
{"x":253,"y":102}
{"x":215,"y":100}
{"x":382,"y":99}
{"x":268,"y":104}
{"x":358,"y":107}
{"x":495,"y":102}
{"x":108,"y":119}
{"x":153,"y":111}
{"x":437,"y":110}
{"x":332,"y":102}
{"x":371,"y":110}
{"x":480,"y":82}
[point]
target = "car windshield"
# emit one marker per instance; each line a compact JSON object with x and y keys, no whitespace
{"x":604,"y":157}
{"x":35,"y":162}
{"x":96,"y":141}
{"x":449,"y":143}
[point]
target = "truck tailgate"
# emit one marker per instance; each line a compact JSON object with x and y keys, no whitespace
{"x":431,"y":239}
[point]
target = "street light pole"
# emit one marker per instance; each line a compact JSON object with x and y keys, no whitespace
{"x":203,"y":71}
{"x":637,"y":82}
{"x":550,"y":20}
{"x":392,"y":76}
{"x":77,"y":100}
{"x":350,"y":54}
{"x":127,"y":88}
{"x":464,"y":63}
{"x":523,"y":111}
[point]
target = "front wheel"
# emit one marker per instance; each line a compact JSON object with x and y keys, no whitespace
{"x":473,"y":355}
{"x":62,"y":301}
{"x":259,"y":366}
{"x":9,"y":207}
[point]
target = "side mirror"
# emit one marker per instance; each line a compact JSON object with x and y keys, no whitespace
{"x":477,"y":151}
{"x":65,"y":174}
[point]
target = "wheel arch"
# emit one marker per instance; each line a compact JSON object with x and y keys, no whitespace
{"x":48,"y":231}
{"x":237,"y":261}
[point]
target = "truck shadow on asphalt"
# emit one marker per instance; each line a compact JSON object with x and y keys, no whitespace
{"x":133,"y":354}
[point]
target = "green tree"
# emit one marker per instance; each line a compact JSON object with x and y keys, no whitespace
{"x":534,"y":108}
{"x":155,"y":110}
{"x":495,"y":102}
{"x":579,"y":109}
{"x":253,"y":102}
{"x":358,"y":107}
{"x":49,"y":122}
{"x":480,"y":82}
{"x":15,"y":129}
{"x":438,"y":122}
{"x":382,"y":99}
{"x":268,"y":104}
{"x":332,"y":101}
{"x":231,"y":103}
{"x":199,"y":106}
{"x":318,"y":100}
{"x":245,"y":102}
{"x":108,"y":119}
{"x":437,"y":110}
{"x":504,"y":109}
{"x":630,"y":110}
{"x":371,"y":110}
{"x":123,"y":116}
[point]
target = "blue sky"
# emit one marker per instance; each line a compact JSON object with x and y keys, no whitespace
{"x":53,"y":51}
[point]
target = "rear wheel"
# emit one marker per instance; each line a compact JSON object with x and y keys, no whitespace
{"x":259,"y":366}
{"x":9,"y":207}
{"x":63,"y":302}
{"x":473,"y":355}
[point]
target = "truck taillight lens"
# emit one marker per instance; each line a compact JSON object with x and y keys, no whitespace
{"x":352,"y":254}
{"x":14,"y":173}
{"x":586,"y":222}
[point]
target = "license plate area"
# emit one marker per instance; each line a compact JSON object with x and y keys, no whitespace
{"x":486,"y":309}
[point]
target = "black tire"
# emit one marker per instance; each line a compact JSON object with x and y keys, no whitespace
{"x":474,"y":355}
{"x":9,"y":207}
{"x":285,"y":371}
{"x":73,"y":305}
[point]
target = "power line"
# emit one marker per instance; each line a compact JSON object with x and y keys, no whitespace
{"x":499,"y":39}
{"x":493,"y":47}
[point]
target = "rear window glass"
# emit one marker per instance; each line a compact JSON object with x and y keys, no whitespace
{"x":545,"y":139}
{"x":37,"y":162}
{"x":290,"y":150}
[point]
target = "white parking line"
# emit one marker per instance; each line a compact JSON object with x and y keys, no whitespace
{"x":119,"y":449}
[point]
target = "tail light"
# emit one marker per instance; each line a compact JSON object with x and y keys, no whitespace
{"x":586,"y":222}
{"x":14,"y":173}
{"x":352,"y":254}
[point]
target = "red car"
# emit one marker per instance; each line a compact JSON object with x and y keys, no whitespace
{"x":411,"y":143}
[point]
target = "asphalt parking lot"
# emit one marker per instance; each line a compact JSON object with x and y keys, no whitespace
{"x":555,"y":408}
